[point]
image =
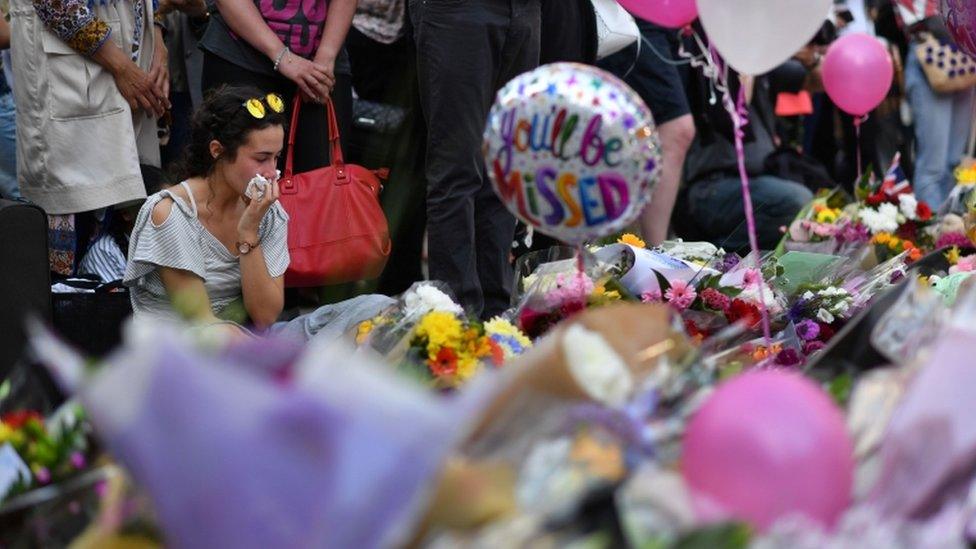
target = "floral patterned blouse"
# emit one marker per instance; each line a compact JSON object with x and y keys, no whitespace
{"x":75,"y":22}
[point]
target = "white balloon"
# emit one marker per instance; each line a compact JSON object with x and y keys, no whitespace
{"x":756,"y":36}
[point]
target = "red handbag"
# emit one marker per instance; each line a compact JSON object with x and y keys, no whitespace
{"x":337,"y":231}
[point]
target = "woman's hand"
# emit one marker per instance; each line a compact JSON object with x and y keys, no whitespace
{"x":159,"y":68}
{"x":133,"y":83}
{"x":247,"y":227}
{"x":139,"y":89}
{"x":313,"y":79}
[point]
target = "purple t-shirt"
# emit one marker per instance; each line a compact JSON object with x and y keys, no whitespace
{"x":298,"y":23}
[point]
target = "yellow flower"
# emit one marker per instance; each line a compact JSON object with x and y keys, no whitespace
{"x":882,"y":238}
{"x":894,"y":243}
{"x":365,"y":328}
{"x":501,"y":327}
{"x":923,"y":280}
{"x":952,"y":256}
{"x":827,"y":215}
{"x":632,"y":240}
{"x":966,"y":175}
{"x":613,"y":295}
{"x":6,"y":433}
{"x":467,"y":367}
{"x":441,"y":329}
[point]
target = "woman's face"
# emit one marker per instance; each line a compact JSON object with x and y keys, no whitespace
{"x":258,"y":155}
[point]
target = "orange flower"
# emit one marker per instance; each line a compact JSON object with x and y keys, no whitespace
{"x":497,"y":353}
{"x":445,"y":364}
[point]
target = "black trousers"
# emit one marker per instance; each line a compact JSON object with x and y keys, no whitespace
{"x":387,"y":73}
{"x":311,"y":141}
{"x":466,"y":51}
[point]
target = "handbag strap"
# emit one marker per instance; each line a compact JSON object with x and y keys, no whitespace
{"x":335,"y":157}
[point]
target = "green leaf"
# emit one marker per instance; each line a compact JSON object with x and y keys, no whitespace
{"x":840,"y":388}
{"x":662,"y":281}
{"x":722,"y":536}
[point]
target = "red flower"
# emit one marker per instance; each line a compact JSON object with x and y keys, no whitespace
{"x":877,"y":198}
{"x":694,"y":331}
{"x":16,"y":420}
{"x":497,"y":353}
{"x":923,"y":211}
{"x":743,"y":311}
{"x":907,"y":231}
{"x":571,"y":307}
{"x":445,"y":363}
{"x":826,"y":332}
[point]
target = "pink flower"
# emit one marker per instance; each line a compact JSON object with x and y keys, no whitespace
{"x":681,"y":295}
{"x":965,"y":265}
{"x":652,"y":296}
{"x":576,"y":288}
{"x":823,"y":230}
{"x":953,"y":239}
{"x":752,"y":277}
{"x":715,"y":300}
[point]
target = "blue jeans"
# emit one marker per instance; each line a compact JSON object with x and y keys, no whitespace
{"x":716,"y":207}
{"x":8,"y":148}
{"x":942,"y":123}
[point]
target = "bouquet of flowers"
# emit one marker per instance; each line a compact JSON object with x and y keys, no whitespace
{"x":825,"y":226}
{"x":428,"y":336}
{"x":41,"y":451}
{"x":897,"y":220}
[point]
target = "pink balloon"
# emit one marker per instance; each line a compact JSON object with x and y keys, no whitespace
{"x":765,"y":445}
{"x":857,"y":73}
{"x":667,"y":13}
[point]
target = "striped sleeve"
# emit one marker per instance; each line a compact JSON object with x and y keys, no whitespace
{"x":175,"y":243}
{"x":274,"y":240}
{"x":104,"y":259}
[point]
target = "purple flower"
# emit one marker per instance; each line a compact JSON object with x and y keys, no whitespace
{"x":788,"y":357}
{"x":729,"y":262}
{"x":797,"y":312}
{"x":853,"y":233}
{"x":811,"y":347}
{"x":43,"y":475}
{"x":77,"y":460}
{"x":808,"y":330}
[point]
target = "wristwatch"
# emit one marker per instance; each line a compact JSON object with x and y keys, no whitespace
{"x":245,"y":247}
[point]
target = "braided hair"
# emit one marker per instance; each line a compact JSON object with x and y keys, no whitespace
{"x":223,"y":118}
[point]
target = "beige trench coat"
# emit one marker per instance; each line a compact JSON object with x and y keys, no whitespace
{"x":79,"y":145}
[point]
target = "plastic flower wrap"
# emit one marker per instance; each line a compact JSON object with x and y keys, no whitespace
{"x":559,"y":290}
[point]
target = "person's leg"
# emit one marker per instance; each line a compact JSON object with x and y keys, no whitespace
{"x":456,"y":57}
{"x":494,"y":225}
{"x":717,"y":208}
{"x":660,"y":86}
{"x":933,"y":119}
{"x":9,"y":188}
{"x":676,"y":137}
{"x":962,"y":121}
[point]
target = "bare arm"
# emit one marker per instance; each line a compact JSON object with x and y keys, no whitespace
{"x":264,"y":295}
{"x":246,"y":21}
{"x":4,"y":34}
{"x":337,"y":25}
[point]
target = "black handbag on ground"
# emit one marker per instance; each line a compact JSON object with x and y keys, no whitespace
{"x":92,"y":321}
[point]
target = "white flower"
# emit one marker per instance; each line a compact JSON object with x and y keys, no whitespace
{"x":427,"y":298}
{"x":884,"y":219}
{"x":808,"y":295}
{"x":824,"y":316}
{"x":908,"y":206}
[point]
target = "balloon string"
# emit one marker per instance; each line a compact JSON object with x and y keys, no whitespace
{"x":739,"y":120}
{"x":858,"y":120}
{"x":581,"y":272}
{"x":716,"y":72}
